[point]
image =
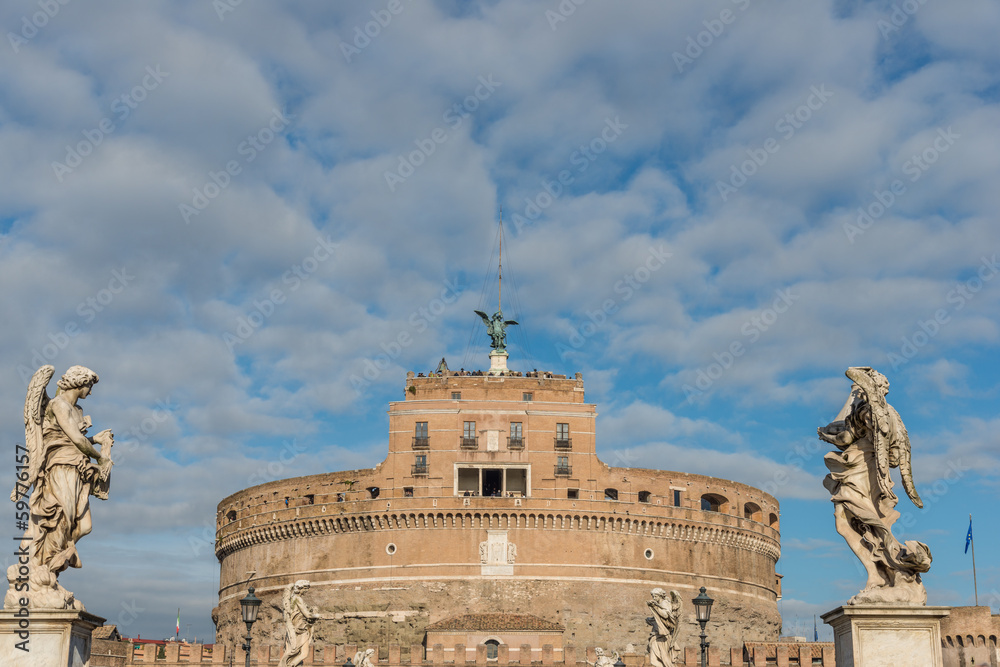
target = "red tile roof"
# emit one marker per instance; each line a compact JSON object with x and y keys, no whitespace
{"x":496,"y":623}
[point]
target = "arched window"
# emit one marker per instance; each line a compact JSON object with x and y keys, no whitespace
{"x":772,"y":520}
{"x":492,"y":649}
{"x":752,"y":512}
{"x":373,"y":492}
{"x":644,"y":496}
{"x":231,"y":515}
{"x":713,"y":502}
{"x":611,"y":494}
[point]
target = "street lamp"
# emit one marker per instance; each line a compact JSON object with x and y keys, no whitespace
{"x":249,"y":606}
{"x":703,"y":612}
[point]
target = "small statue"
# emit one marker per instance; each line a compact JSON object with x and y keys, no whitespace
{"x":496,"y":328}
{"x":57,"y":466}
{"x":870,"y":439}
{"x":363,"y":658}
{"x":665,"y":623}
{"x":299,"y":620}
{"x":603,"y":660}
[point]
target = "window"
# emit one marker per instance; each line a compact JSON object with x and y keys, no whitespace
{"x":310,"y":499}
{"x":407,"y":491}
{"x":611,"y":494}
{"x":644,"y":496}
{"x":469,"y":440}
{"x":420,"y":464}
{"x":231,"y":515}
{"x":420,"y":438}
{"x":286,"y":501}
{"x":515,"y":441}
{"x":456,"y":395}
{"x":677,"y":498}
{"x":711,"y":502}
{"x":562,"y":436}
{"x":573,"y":494}
{"x":772,"y":520}
{"x":752,"y":512}
{"x":373,"y":492}
{"x":562,"y":465}
{"x":527,"y":396}
{"x":341,"y":497}
{"x":492,"y":649}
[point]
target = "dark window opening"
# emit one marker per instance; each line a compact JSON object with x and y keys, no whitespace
{"x":573,"y":494}
{"x":527,"y":396}
{"x":611,"y":494}
{"x":677,"y":498}
{"x":341,"y":497}
{"x":644,"y":496}
{"x":492,"y":649}
{"x":492,"y":483}
{"x":456,"y":395}
{"x":373,"y":492}
{"x":231,"y":515}
{"x":407,"y":491}
{"x":711,"y":502}
{"x":310,"y":499}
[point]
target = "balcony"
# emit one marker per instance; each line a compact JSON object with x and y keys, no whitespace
{"x":469,"y":443}
{"x":515,"y":443}
{"x":564,"y":443}
{"x":418,"y":469}
{"x":421,"y":442}
{"x":564,"y":470}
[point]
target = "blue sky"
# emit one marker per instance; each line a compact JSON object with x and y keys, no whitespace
{"x":230,"y":210}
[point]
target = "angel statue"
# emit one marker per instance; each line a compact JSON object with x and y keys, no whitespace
{"x":870,"y":439}
{"x":58,"y":466}
{"x":665,"y":622}
{"x":496,"y":328}
{"x":603,"y":660}
{"x":299,"y":620}
{"x":364,"y":658}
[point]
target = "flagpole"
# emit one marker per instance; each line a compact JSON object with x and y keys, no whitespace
{"x":972,"y":542}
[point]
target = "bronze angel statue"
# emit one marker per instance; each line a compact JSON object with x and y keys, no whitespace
{"x":60,"y":477}
{"x":870,"y":439}
{"x":496,"y":328}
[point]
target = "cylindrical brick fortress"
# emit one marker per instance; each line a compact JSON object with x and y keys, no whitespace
{"x":493,"y":500}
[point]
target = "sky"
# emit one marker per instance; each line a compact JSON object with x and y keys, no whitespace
{"x":251,"y":219}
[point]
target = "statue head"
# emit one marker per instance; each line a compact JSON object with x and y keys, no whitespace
{"x":658,"y":593}
{"x":599,"y":651}
{"x":76,"y":377}
{"x":301,"y":585}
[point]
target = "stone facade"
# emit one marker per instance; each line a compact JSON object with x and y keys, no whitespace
{"x":969,"y":637}
{"x":492,"y":500}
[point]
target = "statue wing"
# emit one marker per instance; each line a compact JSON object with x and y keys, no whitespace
{"x":507,"y":323}
{"x":899,"y":456}
{"x":486,"y":318}
{"x":35,"y":403}
{"x":879,"y":423}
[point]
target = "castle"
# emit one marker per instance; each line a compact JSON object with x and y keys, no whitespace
{"x":492,"y":505}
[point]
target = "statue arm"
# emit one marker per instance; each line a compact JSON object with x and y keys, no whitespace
{"x":63,"y":413}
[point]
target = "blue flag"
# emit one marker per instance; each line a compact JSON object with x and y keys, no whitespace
{"x":968,"y":538}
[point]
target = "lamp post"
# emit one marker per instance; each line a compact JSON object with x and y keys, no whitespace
{"x":249,"y":606}
{"x":703,"y":612}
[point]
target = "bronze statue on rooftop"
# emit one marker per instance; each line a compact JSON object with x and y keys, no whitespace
{"x":497,"y":329}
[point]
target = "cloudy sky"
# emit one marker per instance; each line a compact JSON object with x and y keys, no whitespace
{"x":252,"y":218}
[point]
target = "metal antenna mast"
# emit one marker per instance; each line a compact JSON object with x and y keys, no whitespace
{"x":500,"y":264}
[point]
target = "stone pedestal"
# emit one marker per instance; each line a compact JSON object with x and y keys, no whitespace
{"x":887,"y":636}
{"x":55,"y":638}
{"x":498,"y":362}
